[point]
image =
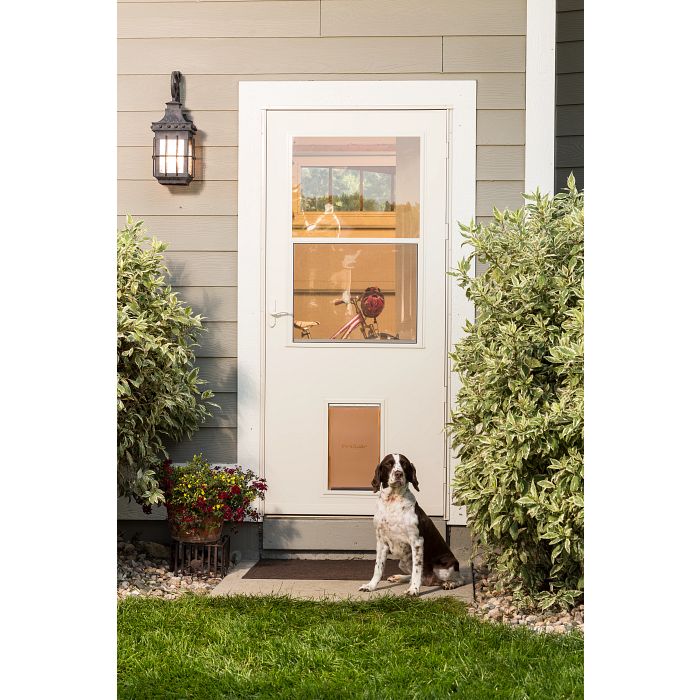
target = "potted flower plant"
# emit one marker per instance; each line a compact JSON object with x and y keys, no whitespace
{"x":201,"y":498}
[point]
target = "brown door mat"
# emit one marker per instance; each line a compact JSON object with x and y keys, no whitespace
{"x":320,"y":569}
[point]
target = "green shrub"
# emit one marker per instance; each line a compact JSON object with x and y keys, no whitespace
{"x":158,"y":389}
{"x":518,"y":423}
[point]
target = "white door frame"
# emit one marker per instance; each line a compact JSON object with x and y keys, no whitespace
{"x":458,"y":97}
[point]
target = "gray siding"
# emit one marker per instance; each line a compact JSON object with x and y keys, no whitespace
{"x":218,"y":44}
{"x":568,"y":152}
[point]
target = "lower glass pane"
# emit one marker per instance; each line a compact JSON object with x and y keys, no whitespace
{"x":364,"y":292}
{"x":353,"y":446}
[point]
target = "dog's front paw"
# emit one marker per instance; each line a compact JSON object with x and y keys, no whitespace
{"x":412,"y":592}
{"x":368,"y":587}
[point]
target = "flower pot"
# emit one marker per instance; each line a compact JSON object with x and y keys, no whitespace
{"x":206,"y":531}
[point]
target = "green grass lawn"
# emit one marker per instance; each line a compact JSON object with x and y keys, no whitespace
{"x":271,"y":647}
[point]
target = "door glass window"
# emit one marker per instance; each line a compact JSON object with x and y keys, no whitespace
{"x":355,"y":292}
{"x":356,"y":187}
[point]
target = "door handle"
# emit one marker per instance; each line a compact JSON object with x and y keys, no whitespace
{"x":274,"y":315}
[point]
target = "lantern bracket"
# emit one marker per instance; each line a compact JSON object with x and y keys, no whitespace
{"x":175,"y":78}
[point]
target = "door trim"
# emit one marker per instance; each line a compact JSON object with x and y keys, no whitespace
{"x":458,"y":98}
{"x":540,"y":93}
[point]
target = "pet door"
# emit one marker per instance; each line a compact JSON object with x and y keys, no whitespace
{"x":354,"y":435}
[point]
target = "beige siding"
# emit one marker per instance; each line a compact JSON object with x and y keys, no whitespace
{"x":499,"y":194}
{"x":193,"y":19}
{"x":217,"y":444}
{"x":218,"y":43}
{"x":320,"y":55}
{"x":220,"y":373}
{"x":420,"y":17}
{"x":206,"y":233}
{"x":202,"y":269}
{"x":147,"y":93}
{"x":500,"y":127}
{"x":213,"y":303}
{"x":495,"y":54}
{"x":219,"y":340}
{"x":150,"y":198}
{"x":225,"y":417}
{"x":500,"y":162}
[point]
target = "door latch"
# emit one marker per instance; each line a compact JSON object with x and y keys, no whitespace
{"x":274,"y":315}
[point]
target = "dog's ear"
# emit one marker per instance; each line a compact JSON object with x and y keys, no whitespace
{"x":377,"y":481}
{"x":411,"y":476}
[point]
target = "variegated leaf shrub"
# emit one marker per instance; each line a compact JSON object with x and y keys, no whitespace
{"x":518,"y":423}
{"x":159,"y":393}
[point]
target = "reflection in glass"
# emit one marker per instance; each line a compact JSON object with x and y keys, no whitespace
{"x":353,"y":186}
{"x":316,"y":188}
{"x":364,"y":292}
{"x":378,"y":191}
{"x":345,"y":189}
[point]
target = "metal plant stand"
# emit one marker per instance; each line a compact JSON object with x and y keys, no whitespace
{"x":200,"y":559}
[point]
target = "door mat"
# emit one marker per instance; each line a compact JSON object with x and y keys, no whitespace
{"x":320,"y":569}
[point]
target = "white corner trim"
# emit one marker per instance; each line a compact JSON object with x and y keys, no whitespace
{"x":540,"y":95}
{"x":458,"y":97}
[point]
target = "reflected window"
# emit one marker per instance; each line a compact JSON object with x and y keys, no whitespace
{"x":364,"y":187}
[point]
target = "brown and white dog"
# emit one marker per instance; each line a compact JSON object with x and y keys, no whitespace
{"x":403,"y":528}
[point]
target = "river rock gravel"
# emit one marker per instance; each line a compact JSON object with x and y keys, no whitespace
{"x":497,"y":606}
{"x":142,"y":570}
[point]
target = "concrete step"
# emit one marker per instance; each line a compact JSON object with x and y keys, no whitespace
{"x":235,"y":584}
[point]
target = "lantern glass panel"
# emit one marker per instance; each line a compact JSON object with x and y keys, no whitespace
{"x":171,"y":151}
{"x":175,"y":160}
{"x":190,"y":152}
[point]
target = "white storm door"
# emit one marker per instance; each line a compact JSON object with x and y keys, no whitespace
{"x":355,"y":299}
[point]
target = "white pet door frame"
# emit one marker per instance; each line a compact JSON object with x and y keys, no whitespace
{"x":458,"y":98}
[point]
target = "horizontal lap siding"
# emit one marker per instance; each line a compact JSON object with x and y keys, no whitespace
{"x":217,"y":44}
{"x":214,"y":92}
{"x":568,"y":152}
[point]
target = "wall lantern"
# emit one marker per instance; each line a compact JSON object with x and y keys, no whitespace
{"x":173,"y":142}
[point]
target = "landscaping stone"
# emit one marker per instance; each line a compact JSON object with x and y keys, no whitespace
{"x":496,"y":605}
{"x":144,"y":573}
{"x":155,"y":550}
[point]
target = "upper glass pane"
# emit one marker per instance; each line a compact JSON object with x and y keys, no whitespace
{"x":356,"y":186}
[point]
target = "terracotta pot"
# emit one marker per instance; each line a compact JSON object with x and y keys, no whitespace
{"x":207,"y":531}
